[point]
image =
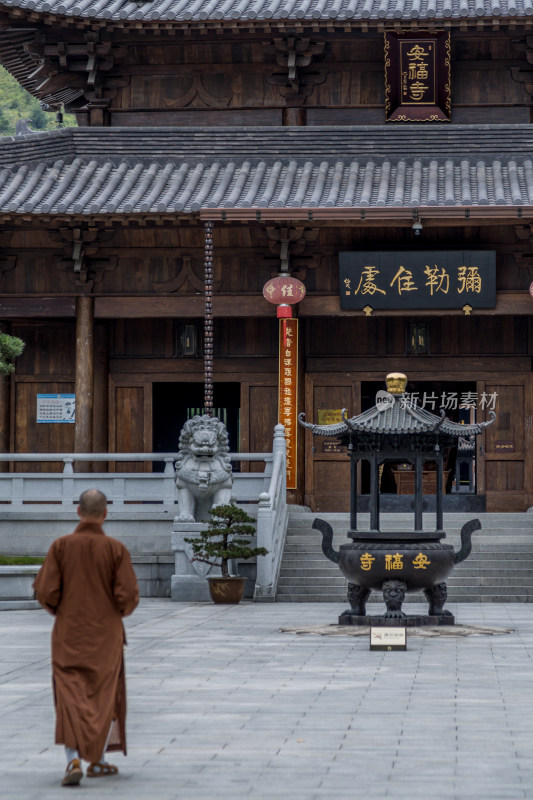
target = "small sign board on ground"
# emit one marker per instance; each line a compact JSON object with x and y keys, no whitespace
{"x":393,"y":638}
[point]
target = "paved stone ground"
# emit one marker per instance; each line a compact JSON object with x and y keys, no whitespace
{"x":221,"y":704}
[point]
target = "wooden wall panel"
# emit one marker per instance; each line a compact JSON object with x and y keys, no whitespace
{"x":509,"y":423}
{"x":202,"y":116}
{"x":164,"y":262}
{"x":332,"y":485}
{"x":30,"y":437}
{"x":508,"y":455}
{"x":142,"y":338}
{"x":246,"y":337}
{"x":260,"y":420}
{"x":327,"y":475}
{"x":492,"y":335}
{"x":230,"y":81}
{"x":130,"y":424}
{"x":50,"y":349}
{"x":505,"y":476}
{"x":36,"y":272}
{"x":347,"y":336}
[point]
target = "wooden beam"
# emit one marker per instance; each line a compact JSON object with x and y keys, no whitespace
{"x":420,"y":367}
{"x":181,"y":307}
{"x":22,"y":307}
{"x":509,"y":302}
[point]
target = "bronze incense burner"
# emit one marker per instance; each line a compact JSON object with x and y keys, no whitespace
{"x":396,"y":562}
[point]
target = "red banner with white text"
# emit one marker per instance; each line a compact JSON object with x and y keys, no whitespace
{"x":288,"y":391}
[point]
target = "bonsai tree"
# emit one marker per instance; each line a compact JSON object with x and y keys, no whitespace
{"x":227,"y":536}
{"x":10,"y":348}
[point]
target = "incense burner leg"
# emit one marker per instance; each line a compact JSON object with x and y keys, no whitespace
{"x":394,"y":595}
{"x":357,"y":597}
{"x":436,"y":597}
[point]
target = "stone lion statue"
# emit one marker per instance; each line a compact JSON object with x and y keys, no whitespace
{"x":203,"y":468}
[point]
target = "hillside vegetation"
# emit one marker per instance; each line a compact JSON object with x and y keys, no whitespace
{"x":16,"y":103}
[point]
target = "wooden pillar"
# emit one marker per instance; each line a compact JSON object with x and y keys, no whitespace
{"x":374,"y":492}
{"x":83,"y":431}
{"x":5,"y":411}
{"x":99,"y":113}
{"x":101,"y":394}
{"x":353,"y":492}
{"x":439,"y":491}
{"x":5,"y":404}
{"x":294,"y":116}
{"x":418,"y":492}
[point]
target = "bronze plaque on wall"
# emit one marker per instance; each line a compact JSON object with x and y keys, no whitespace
{"x":417,"y":77}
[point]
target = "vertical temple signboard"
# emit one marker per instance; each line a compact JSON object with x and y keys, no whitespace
{"x":285,"y":291}
{"x":288,"y":391}
{"x":417,"y":77}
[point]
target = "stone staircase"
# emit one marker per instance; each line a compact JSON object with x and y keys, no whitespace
{"x":499,"y":569}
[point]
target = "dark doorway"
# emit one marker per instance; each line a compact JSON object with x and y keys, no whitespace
{"x":458,"y":400}
{"x":175,"y":403}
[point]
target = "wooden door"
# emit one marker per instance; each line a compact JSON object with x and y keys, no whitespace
{"x":504,"y":462}
{"x":130,"y":420}
{"x":259,"y":415}
{"x":327,"y":465}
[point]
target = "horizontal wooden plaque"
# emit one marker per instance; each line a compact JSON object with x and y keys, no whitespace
{"x":417,"y":279}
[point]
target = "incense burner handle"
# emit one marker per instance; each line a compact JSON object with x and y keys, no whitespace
{"x":466,"y":540}
{"x":327,"y":539}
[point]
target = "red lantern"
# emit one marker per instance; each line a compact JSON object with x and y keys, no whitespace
{"x":284,"y":290}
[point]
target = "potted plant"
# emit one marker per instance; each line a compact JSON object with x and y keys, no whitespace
{"x":226,"y":537}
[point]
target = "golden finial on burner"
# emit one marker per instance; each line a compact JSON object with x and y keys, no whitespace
{"x":396,"y":382}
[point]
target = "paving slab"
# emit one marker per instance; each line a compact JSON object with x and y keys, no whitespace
{"x":222,"y":704}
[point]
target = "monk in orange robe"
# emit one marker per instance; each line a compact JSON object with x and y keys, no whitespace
{"x":87,"y":582}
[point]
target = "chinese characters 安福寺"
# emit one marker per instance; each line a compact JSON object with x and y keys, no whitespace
{"x":394,"y":562}
{"x":417,"y":73}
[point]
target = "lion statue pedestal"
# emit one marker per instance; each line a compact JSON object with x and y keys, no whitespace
{"x":203,"y":479}
{"x":189,"y":582}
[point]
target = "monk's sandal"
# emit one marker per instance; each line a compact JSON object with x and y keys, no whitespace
{"x":73,"y":774}
{"x":100,"y":769}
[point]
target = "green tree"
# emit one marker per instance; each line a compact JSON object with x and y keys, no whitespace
{"x":38,"y":118}
{"x":16,"y":103}
{"x":5,"y":123}
{"x":10,"y":348}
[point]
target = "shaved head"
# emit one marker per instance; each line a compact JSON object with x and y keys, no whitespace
{"x":92,"y":503}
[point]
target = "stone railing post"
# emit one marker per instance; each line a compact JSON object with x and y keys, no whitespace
{"x":264,"y":539}
{"x":279,"y":444}
{"x":169,"y":488}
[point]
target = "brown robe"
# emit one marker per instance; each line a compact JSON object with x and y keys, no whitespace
{"x":88,"y":583}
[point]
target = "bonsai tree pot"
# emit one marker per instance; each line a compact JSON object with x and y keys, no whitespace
{"x":226,"y":590}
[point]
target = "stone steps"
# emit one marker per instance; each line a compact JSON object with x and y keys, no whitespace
{"x":499,"y":569}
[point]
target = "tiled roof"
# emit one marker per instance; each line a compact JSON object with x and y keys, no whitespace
{"x":397,"y":418}
{"x":127,"y":170}
{"x":229,"y":10}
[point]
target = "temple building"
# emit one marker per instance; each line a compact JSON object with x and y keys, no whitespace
{"x":378,"y":151}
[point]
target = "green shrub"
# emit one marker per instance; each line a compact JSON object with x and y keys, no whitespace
{"x":226,"y":537}
{"x":18,"y":561}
